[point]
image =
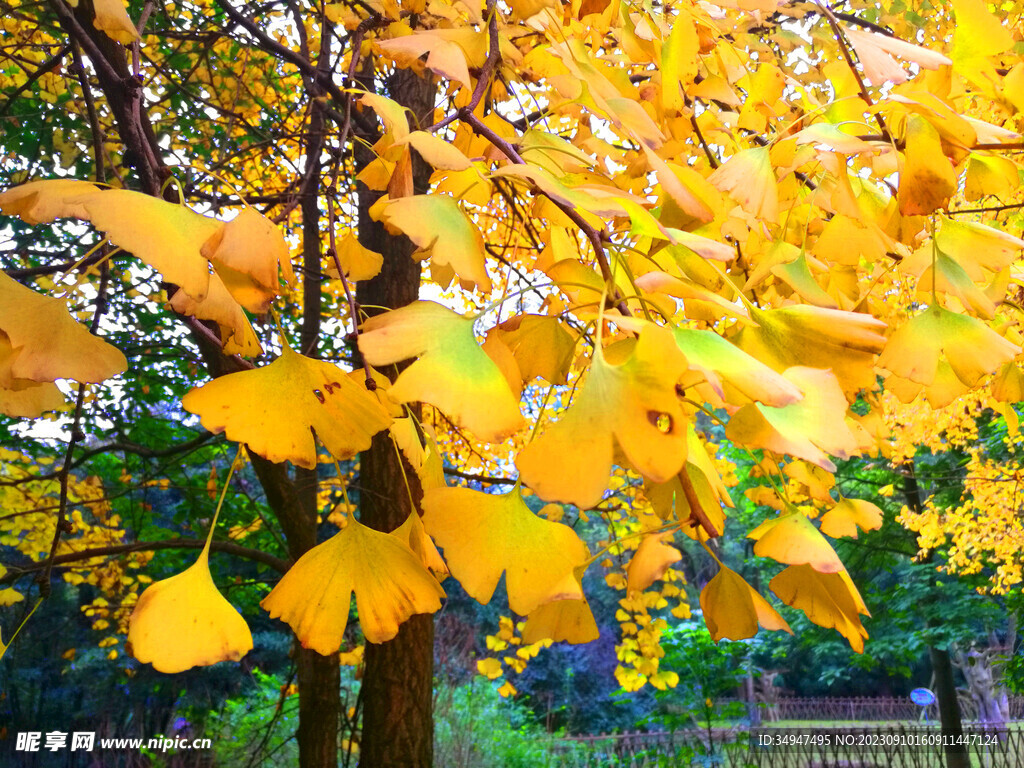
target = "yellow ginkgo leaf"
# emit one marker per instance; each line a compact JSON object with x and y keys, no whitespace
{"x":112,"y":19}
{"x":389,"y":581}
{"x":749,"y":179}
{"x":844,"y":342}
{"x":220,"y":307}
{"x":927,"y":178}
{"x":978,"y":32}
{"x":632,"y":404}
{"x":438,"y":152}
{"x":970,"y":347}
{"x":10,"y":597}
{"x":37,"y":202}
{"x":848,"y":515}
{"x":184,"y":622}
{"x":569,"y":621}
{"x":357,"y":263}
{"x":541,"y":346}
{"x":46,"y":343}
{"x":453,"y":372}
{"x":421,"y":452}
{"x":276,"y":409}
{"x":679,"y":61}
{"x":441,"y":231}
{"x":793,"y":539}
{"x":251,"y":244}
{"x":166,"y":236}
{"x":490,"y":668}
{"x":484,"y":535}
{"x":829,"y":600}
{"x":650,"y":561}
{"x":733,"y":609}
{"x":26,"y":399}
{"x":809,"y":429}
{"x":413,"y":534}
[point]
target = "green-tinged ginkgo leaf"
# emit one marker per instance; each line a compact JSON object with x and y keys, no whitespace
{"x":793,"y":539}
{"x":844,"y":342}
{"x":970,"y":347}
{"x":414,"y":535}
{"x":389,"y":581}
{"x":927,"y":178}
{"x":541,"y":346}
{"x":735,"y":375}
{"x":276,"y":409}
{"x":570,"y":621}
{"x":1008,"y":385}
{"x":166,"y":236}
{"x":633,"y":405}
{"x":418,"y":444}
{"x":112,"y":19}
{"x":37,"y":202}
{"x":390,"y":112}
{"x":733,"y":609}
{"x":251,"y":244}
{"x":47,"y":343}
{"x":220,"y":307}
{"x":650,"y":561}
{"x":441,"y":232}
{"x":809,"y":429}
{"x":947,"y":276}
{"x":484,"y":535}
{"x":977,"y":247}
{"x":977,"y":33}
{"x":184,"y":622}
{"x":452,"y":373}
{"x":848,"y":515}
{"x":357,"y":263}
{"x":829,"y":600}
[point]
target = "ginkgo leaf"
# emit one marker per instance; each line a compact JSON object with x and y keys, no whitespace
{"x":828,"y":599}
{"x":251,"y":244}
{"x":441,"y":231}
{"x":633,"y":405}
{"x":453,"y":372}
{"x":390,"y":584}
{"x":166,"y":236}
{"x":357,"y":262}
{"x":749,"y":179}
{"x":848,"y":515}
{"x":444,"y":57}
{"x":652,"y":558}
{"x":873,"y":52}
{"x":436,"y":151}
{"x":38,"y":202}
{"x":25,"y":399}
{"x":276,"y":409}
{"x":733,"y":609}
{"x":845,"y":342}
{"x":206,"y":628}
{"x":977,"y":33}
{"x":541,"y":346}
{"x":112,"y":19}
{"x":793,"y":539}
{"x":809,"y":429}
{"x":390,"y":112}
{"x":570,"y":621}
{"x":47,"y":343}
{"x":484,"y":535}
{"x":414,"y":535}
{"x":490,"y":668}
{"x":734,"y":374}
{"x":970,"y":347}
{"x":978,"y":247}
{"x":220,"y":307}
{"x":927,"y":178}
{"x":678,"y":62}
{"x":422,"y":454}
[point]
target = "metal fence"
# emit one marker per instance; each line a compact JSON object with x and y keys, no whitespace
{"x":890,"y":746}
{"x":869,"y":709}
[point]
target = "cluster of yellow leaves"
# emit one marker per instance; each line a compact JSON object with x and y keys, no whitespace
{"x":512,"y":652}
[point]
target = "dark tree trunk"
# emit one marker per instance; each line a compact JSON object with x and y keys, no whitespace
{"x":942,"y":666}
{"x":397,"y":692}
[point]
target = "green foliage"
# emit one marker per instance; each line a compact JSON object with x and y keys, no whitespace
{"x":257,"y":728}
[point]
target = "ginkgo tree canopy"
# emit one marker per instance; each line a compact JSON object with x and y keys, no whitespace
{"x":642,"y":224}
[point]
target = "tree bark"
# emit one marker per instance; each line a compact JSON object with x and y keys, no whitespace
{"x":397,"y":692}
